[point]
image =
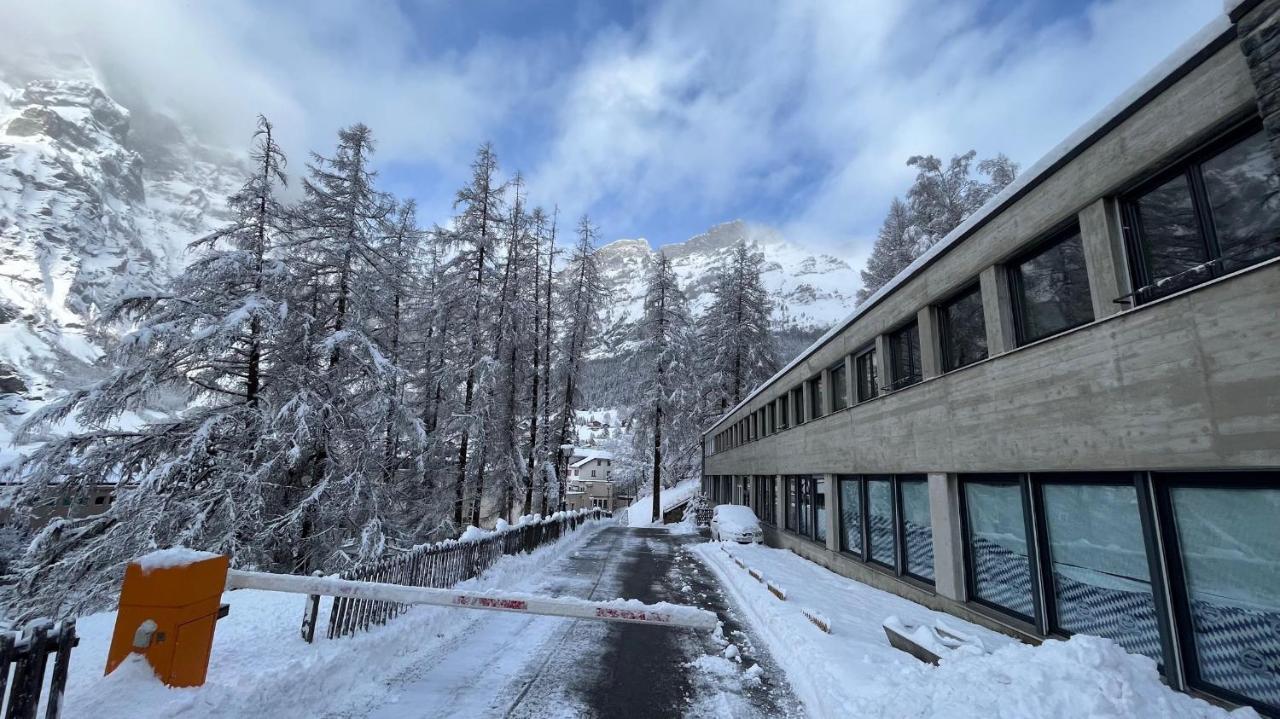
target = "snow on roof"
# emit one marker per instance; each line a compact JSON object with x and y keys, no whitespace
{"x":1138,"y":94}
{"x":585,"y":455}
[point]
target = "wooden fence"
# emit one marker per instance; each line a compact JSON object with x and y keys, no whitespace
{"x":23,"y":658}
{"x":439,"y":565}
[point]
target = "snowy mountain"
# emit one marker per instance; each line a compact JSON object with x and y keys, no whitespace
{"x":811,"y":291}
{"x":96,"y":200}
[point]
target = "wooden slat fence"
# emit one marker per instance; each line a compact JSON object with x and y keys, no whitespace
{"x":23,"y":660}
{"x":440,"y":565}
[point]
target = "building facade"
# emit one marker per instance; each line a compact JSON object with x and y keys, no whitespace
{"x":590,"y":484}
{"x":1065,"y":417}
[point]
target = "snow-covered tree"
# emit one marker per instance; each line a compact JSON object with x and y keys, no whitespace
{"x":666,"y":427}
{"x":735,"y":332}
{"x":207,"y":476}
{"x":941,"y":197}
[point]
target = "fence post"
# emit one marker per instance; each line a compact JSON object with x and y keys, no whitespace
{"x":309,"y":614}
{"x":61,"y":664}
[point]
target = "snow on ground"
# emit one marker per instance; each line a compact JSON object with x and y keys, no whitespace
{"x":640,"y":513}
{"x":261,"y":667}
{"x":853,"y":672}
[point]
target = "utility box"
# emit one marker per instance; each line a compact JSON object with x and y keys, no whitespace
{"x":184,"y":602}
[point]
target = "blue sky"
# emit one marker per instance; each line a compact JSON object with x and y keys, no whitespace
{"x":658,"y":118}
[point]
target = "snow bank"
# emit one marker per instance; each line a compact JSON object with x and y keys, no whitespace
{"x":261,"y":667}
{"x":171,"y":557}
{"x":640,"y":513}
{"x":854,"y":671}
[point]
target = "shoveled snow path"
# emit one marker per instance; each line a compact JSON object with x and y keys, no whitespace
{"x":526,"y":666}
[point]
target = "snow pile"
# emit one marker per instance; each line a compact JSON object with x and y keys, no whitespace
{"x":640,"y":513}
{"x":261,"y":667}
{"x":172,"y":557}
{"x":854,"y":671}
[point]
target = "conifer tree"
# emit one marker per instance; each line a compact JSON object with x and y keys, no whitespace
{"x":735,"y":332}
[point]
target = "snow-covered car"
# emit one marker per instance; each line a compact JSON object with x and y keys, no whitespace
{"x":735,"y":523}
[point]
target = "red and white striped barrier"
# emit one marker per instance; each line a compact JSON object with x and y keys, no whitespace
{"x":618,"y":610}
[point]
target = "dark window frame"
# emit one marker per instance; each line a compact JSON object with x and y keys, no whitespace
{"x":867,"y":354}
{"x":900,"y":526}
{"x":1048,"y":241}
{"x":1190,"y":167}
{"x":861,"y":555}
{"x":784,"y":411}
{"x":816,"y":405}
{"x":867,"y":479}
{"x":949,"y":363}
{"x":970,"y":585}
{"x":897,"y":383}
{"x":1164,"y":482}
{"x":842,"y":393}
{"x":796,"y":395}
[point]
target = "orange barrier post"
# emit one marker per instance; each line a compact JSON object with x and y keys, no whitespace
{"x":168,"y":614}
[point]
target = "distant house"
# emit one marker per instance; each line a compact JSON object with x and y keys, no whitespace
{"x":590,"y":481}
{"x":96,"y":501}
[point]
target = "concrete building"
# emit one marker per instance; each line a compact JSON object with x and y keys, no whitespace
{"x":1065,"y":417}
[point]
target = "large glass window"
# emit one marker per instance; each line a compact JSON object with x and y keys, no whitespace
{"x":1216,"y":214}
{"x":1051,"y":288}
{"x":1098,"y":564}
{"x":964,"y":332}
{"x":783,"y":421}
{"x":839,"y":388}
{"x":790,"y":499}
{"x":1227,"y":538}
{"x":917,"y":527}
{"x":804,"y":491}
{"x":797,"y":405}
{"x":904,"y":354}
{"x":868,"y":381}
{"x":996,"y":529}
{"x":880,"y":526}
{"x":851,"y":514}
{"x":820,"y":508}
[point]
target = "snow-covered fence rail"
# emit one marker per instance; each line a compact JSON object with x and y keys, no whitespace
{"x":27,"y":653}
{"x":617,"y":610}
{"x":438,"y":565}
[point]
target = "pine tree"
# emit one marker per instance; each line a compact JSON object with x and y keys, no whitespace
{"x":940,"y":198}
{"x":735,"y":331}
{"x":666,"y":405}
{"x":579,"y":300}
{"x":204,"y":477}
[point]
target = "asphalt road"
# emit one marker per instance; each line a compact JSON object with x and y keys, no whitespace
{"x":512,"y":665}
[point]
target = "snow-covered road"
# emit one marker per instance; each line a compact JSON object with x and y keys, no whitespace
{"x":517,"y":665}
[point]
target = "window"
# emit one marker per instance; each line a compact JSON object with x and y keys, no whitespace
{"x":839,"y":387}
{"x":815,"y":397}
{"x":820,"y":508}
{"x":99,"y":500}
{"x":880,"y":524}
{"x":766,"y":499}
{"x":1098,"y":570}
{"x":996,"y":542}
{"x":797,"y":405}
{"x":850,"y":514}
{"x":1050,"y":288}
{"x":593,"y":473}
{"x":1217,"y":213}
{"x":868,"y":382}
{"x":904,"y":353}
{"x":773,"y":418}
{"x":804,"y":517}
{"x":917,"y":527}
{"x":1227,"y":580}
{"x":599,"y":503}
{"x":782,"y":412}
{"x":789,"y":496}
{"x":964,"y":333}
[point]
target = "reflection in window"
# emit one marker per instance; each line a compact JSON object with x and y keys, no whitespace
{"x":839,"y":388}
{"x":904,"y":351}
{"x":1244,"y":200}
{"x":815,"y":397}
{"x":820,"y":508}
{"x":884,"y":541}
{"x":804,"y":489}
{"x":868,"y":383}
{"x":1051,"y":289}
{"x":789,"y":488}
{"x":1171,"y":237}
{"x":1101,"y":582}
{"x":851,"y":515}
{"x":997,"y":539}
{"x":917,"y":527}
{"x":1228,"y":540}
{"x":964,"y":333}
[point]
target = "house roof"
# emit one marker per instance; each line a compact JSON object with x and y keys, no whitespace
{"x":1199,"y":47}
{"x":582,"y":455}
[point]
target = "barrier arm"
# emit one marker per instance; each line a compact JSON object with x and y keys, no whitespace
{"x":631,"y":611}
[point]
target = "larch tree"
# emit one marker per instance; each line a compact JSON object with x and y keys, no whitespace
{"x":735,"y":331}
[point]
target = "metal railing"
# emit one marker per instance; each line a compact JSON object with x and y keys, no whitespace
{"x":440,"y":565}
{"x":23,"y":659}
